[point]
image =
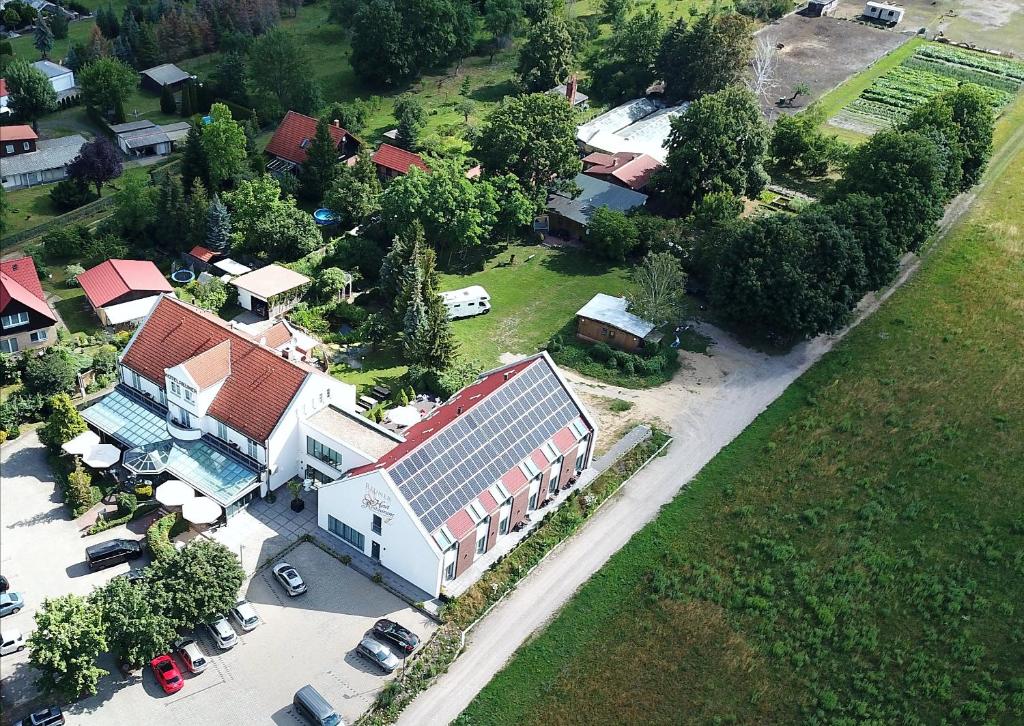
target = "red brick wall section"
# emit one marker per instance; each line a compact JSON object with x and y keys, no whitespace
{"x":467,"y":550}
{"x":569,"y":465}
{"x":492,"y":532}
{"x":519,"y":504}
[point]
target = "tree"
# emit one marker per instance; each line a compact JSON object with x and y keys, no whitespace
{"x":465,"y":106}
{"x":199,"y":582}
{"x":59,"y":25}
{"x":211,"y":295}
{"x":42,"y":39}
{"x":197,"y":212}
{"x":65,"y":645}
{"x":64,"y":423}
{"x":764,"y":9}
{"x":268,"y":226}
{"x":658,"y":290}
{"x":230,"y":78}
{"x":320,"y":168}
{"x":31,"y":94}
{"x":437,"y":348}
{"x":56,"y":371}
{"x":411,"y":117}
{"x":858,"y":213}
{"x":531,"y":137}
{"x":615,"y":11}
{"x":393,"y":266}
{"x":280,"y":76}
{"x":193,"y":161}
{"x":170,"y":212}
{"x":973,"y":115}
{"x":98,"y":162}
{"x":135,"y":207}
{"x":502,"y":19}
{"x":331,"y":284}
{"x":167,"y":103}
{"x":704,"y":57}
{"x":5,"y":209}
{"x":515,"y":207}
{"x":218,"y":227}
{"x":223,"y":142}
{"x":612,"y":234}
{"x":797,"y":143}
{"x":718,"y":144}
{"x":763,"y":64}
{"x":548,"y":55}
{"x":350,"y":115}
{"x":355,"y":194}
{"x":626,"y":67}
{"x":133,"y":629}
{"x":107,"y":83}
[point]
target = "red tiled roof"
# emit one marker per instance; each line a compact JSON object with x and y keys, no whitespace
{"x":487,"y":501}
{"x":539,"y":459}
{"x":564,"y":440}
{"x":295,"y":128}
{"x":460,"y":524}
{"x":514,"y":480}
{"x":109,"y":280}
{"x":400,"y":160}
{"x":3,"y":87}
{"x":202,"y":254}
{"x":19,"y":281}
{"x":276,"y":335}
{"x":17,"y":133}
{"x":632,"y":169}
{"x":176,"y":332}
{"x":211,"y":366}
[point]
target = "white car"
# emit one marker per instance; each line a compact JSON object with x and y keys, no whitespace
{"x":11,"y":641}
{"x":245,"y":615}
{"x":193,"y":658}
{"x":223,"y":634}
{"x":289,"y":578}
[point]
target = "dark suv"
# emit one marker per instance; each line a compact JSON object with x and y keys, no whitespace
{"x":391,"y":632}
{"x":113,"y":552}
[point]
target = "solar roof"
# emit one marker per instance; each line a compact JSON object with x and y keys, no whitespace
{"x":462,"y":460}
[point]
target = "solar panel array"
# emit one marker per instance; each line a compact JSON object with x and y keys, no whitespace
{"x":455,"y":465}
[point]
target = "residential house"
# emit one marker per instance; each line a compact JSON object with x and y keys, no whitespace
{"x":570,"y":216}
{"x":226,"y":409}
{"x":628,"y":169}
{"x":123,"y":291}
{"x":48,"y":163}
{"x":432,"y":502}
{"x":167,"y":74}
{"x":606,"y":319}
{"x":27,"y":322}
{"x":62,"y":79}
{"x":270,"y":291}
{"x":392,"y":161}
{"x":144,"y":138}
{"x":287,"y":147}
{"x":640,"y":126}
{"x":17,"y":140}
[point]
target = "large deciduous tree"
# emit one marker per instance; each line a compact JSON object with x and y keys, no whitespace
{"x":106,"y":84}
{"x":532,"y":137}
{"x":658,"y":289}
{"x":31,"y":93}
{"x":718,"y":144}
{"x":355,"y":195}
{"x":280,"y":76}
{"x":502,"y":19}
{"x":266,"y":225}
{"x":612,"y":234}
{"x":625,"y":68}
{"x":98,"y":162}
{"x":548,"y":55}
{"x":134,"y":630}
{"x":199,"y":582}
{"x":223,"y":142}
{"x":65,"y":645}
{"x":704,"y":56}
{"x":56,"y":371}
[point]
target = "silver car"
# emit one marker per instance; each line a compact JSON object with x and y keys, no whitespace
{"x":244,"y":614}
{"x":223,"y":634}
{"x":379,"y":653}
{"x":189,"y":653}
{"x":289,"y":578}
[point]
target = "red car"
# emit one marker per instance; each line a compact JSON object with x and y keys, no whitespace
{"x":167,"y":673}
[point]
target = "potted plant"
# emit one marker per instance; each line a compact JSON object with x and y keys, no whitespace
{"x":295,"y":487}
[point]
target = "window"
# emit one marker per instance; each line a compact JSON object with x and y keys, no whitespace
{"x":376,"y":524}
{"x":449,"y":571}
{"x":37,"y":336}
{"x":503,"y":524}
{"x":324,"y":453}
{"x":581,"y":458}
{"x":10,"y":148}
{"x":189,"y":394}
{"x":550,"y":452}
{"x":352,"y":536}
{"x":556,"y":473}
{"x":25,"y":146}
{"x":175,"y":387}
{"x":476,"y":511}
{"x":481,"y":544}
{"x":222,"y":431}
{"x":529,"y":468}
{"x":9,"y":345}
{"x":533,"y":502}
{"x":13,"y":321}
{"x":579,"y":429}
{"x":252,"y":448}
{"x":163,"y":397}
{"x":318,"y":476}
{"x":136,"y":380}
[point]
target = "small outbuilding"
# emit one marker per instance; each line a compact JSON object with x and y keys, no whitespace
{"x":168,"y":74}
{"x":123,"y":291}
{"x":821,"y":8}
{"x":606,"y":319}
{"x":270,"y":291}
{"x":392,"y":161}
{"x":888,"y":13}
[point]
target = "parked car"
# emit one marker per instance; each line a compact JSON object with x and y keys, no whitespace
{"x":379,"y":653}
{"x":289,"y":578}
{"x":223,"y":634}
{"x":315,"y":707}
{"x":189,"y":653}
{"x":112,"y":552}
{"x":4,"y":584}
{"x":51,"y":716}
{"x":10,"y":603}
{"x":391,"y":632}
{"x":11,"y":641}
{"x":245,"y":615}
{"x":167,"y":673}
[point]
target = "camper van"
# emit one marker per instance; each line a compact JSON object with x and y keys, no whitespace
{"x":467,"y":302}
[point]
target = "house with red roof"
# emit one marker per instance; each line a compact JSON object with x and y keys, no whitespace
{"x":123,"y":291}
{"x":17,"y":140}
{"x":392,"y":161}
{"x":287,"y":147}
{"x":629,"y":169}
{"x":27,"y":322}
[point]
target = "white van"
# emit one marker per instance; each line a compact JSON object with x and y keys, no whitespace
{"x":467,"y":302}
{"x":13,"y":641}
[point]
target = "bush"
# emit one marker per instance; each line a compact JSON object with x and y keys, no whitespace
{"x":71,"y":273}
{"x":105,"y":360}
{"x":71,"y":194}
{"x":158,"y":538}
{"x":21,"y":407}
{"x":764,"y":9}
{"x":127,"y":504}
{"x":79,"y":490}
{"x":64,"y":243}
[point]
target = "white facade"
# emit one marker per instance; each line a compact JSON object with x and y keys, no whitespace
{"x":886,"y":12}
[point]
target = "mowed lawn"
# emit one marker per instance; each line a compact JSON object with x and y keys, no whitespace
{"x":856,"y":555}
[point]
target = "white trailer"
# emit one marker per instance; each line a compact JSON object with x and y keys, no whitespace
{"x":886,"y":12}
{"x":466,"y":302}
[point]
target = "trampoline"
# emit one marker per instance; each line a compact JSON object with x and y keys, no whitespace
{"x":183,"y":276}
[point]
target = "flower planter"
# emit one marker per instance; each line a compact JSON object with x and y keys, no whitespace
{"x":298,"y":505}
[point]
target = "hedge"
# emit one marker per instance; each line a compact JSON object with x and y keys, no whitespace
{"x":102,"y":525}
{"x":158,"y":537}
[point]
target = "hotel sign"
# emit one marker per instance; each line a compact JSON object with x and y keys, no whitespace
{"x":379,"y":503}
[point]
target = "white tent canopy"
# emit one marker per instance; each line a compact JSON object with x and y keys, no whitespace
{"x":174,"y":493}
{"x":82,"y":444}
{"x":201,"y":510}
{"x":130,"y":311}
{"x":102,"y":456}
{"x":404,"y":416}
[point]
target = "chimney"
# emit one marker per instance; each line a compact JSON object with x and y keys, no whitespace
{"x":458,"y":411}
{"x":570,"y":90}
{"x":336,"y":123}
{"x":507,"y":374}
{"x":263,"y":340}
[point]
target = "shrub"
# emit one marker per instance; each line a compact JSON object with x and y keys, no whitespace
{"x":105,"y":360}
{"x":158,"y":538}
{"x":79,"y":495}
{"x":64,"y":243}
{"x":601,"y":352}
{"x":71,"y":194}
{"x":71,"y":273}
{"x":64,"y":424}
{"x":618,"y":405}
{"x":127,"y":503}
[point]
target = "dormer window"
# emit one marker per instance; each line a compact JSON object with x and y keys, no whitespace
{"x":304,"y":144}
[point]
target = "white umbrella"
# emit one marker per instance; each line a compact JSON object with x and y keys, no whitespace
{"x":174,"y":493}
{"x":404,"y":416}
{"x":102,"y":456}
{"x":201,"y":510}
{"x":82,"y":444}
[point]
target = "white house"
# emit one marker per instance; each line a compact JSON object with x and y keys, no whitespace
{"x":62,"y":79}
{"x":48,"y":163}
{"x":270,"y":291}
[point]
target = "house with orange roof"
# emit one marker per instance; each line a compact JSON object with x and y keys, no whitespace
{"x":27,"y":322}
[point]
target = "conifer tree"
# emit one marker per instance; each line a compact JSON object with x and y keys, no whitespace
{"x":320,"y":168}
{"x":167,"y":102}
{"x":43,"y":38}
{"x":170,"y":205}
{"x":218,"y":226}
{"x":193,"y":163}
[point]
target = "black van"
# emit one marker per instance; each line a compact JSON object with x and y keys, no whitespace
{"x":113,"y":552}
{"x":315,"y":708}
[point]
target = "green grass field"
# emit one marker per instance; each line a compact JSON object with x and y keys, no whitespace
{"x":856,"y":555}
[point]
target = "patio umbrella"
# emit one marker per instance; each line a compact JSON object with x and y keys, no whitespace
{"x":201,"y":510}
{"x":174,"y":493}
{"x":404,"y":416}
{"x":82,"y":444}
{"x":102,"y":456}
{"x":149,"y":459}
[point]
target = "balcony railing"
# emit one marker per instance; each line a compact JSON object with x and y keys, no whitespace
{"x":179,"y":430}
